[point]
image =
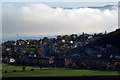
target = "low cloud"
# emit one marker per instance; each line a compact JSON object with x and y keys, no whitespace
{"x":39,"y":19}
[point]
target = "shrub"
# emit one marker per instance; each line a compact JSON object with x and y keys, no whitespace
{"x":41,"y":67}
{"x":32,"y":69}
{"x":14,"y":71}
{"x":23,"y":68}
{"x":5,"y":71}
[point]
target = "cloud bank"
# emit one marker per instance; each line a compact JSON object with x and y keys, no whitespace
{"x":42,"y":20}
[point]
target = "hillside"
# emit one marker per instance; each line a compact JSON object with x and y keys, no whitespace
{"x":102,"y":52}
{"x":84,"y":51}
{"x":112,"y":38}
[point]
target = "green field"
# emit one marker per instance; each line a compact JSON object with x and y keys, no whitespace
{"x":51,"y":72}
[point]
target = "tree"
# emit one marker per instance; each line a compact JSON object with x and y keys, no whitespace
{"x":23,"y":68}
{"x":6,"y":60}
{"x":45,"y":40}
{"x":9,"y":53}
{"x":59,"y":37}
{"x":73,"y":36}
{"x":105,"y":32}
{"x":37,"y":51}
{"x":83,"y":64}
{"x":83,"y":33}
{"x":95,"y":34}
{"x":65,"y":50}
{"x":4,"y":53}
{"x":66,"y":37}
{"x":86,"y":34}
{"x":100,"y":34}
{"x":117,"y":65}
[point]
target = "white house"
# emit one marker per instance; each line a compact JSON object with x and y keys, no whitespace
{"x":12,"y":60}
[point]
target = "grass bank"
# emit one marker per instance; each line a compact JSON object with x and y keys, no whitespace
{"x":51,"y":72}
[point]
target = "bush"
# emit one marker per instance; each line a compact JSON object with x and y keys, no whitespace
{"x":32,"y":69}
{"x":5,"y":71}
{"x":41,"y":67}
{"x":14,"y":71}
{"x":23,"y":67}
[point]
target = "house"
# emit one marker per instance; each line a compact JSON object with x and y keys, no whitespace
{"x":71,"y":42}
{"x":11,"y":60}
{"x":63,"y":41}
{"x":28,"y":43}
{"x":51,"y":60}
{"x":89,"y":37}
{"x":99,"y":56}
{"x":117,"y":57}
{"x":15,"y":43}
{"x":8,"y":49}
{"x":67,"y":61}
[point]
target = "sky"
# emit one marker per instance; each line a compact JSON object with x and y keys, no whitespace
{"x":60,"y":0}
{"x":20,"y":20}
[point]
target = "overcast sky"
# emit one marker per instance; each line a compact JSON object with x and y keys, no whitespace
{"x":60,"y":0}
{"x":31,"y":19}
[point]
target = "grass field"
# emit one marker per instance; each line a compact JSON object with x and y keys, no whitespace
{"x":51,"y":72}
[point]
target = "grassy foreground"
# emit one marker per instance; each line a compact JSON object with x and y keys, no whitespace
{"x":51,"y":72}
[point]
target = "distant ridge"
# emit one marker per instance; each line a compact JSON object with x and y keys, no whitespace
{"x":110,"y":7}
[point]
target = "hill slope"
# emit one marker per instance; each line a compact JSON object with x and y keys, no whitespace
{"x":112,"y":38}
